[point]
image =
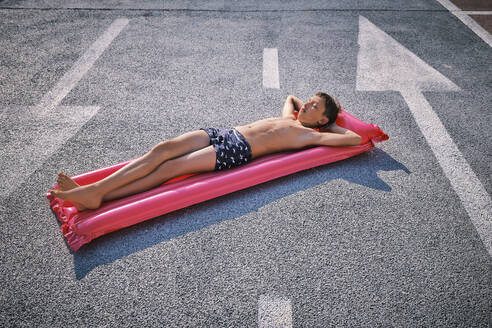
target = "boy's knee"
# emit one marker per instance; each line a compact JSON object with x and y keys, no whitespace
{"x":161,"y":152}
{"x":168,"y":168}
{"x":161,"y":147}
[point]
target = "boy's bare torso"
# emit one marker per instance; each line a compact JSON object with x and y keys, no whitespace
{"x":273,"y":135}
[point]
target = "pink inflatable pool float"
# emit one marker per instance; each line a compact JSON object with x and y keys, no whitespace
{"x":81,"y":228}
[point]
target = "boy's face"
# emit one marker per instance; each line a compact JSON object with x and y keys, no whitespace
{"x":311,"y":113}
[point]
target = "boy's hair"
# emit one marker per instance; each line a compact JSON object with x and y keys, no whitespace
{"x":332,"y":107}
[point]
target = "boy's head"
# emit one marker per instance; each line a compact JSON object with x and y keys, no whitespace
{"x":320,"y":110}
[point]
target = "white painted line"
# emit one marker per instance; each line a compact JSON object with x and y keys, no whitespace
{"x":468,"y":21}
{"x":48,"y":125}
{"x":80,"y":68}
{"x":466,"y":184}
{"x":449,"y":5}
{"x":476,"y":12}
{"x":274,"y":312}
{"x":475,"y":27}
{"x":270,"y":68}
{"x":384,"y":64}
{"x":25,"y":150}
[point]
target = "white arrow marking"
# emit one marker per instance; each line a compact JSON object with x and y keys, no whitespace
{"x":384,"y":64}
{"x":270,"y":68}
{"x":45,"y":127}
{"x":274,"y":312}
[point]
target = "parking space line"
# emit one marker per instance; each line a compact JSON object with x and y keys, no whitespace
{"x":477,"y":12}
{"x":464,"y":181}
{"x":468,"y":21}
{"x":270,"y":68}
{"x":383,"y":64}
{"x":53,"y":98}
{"x":274,"y":312}
{"x":62,"y":122}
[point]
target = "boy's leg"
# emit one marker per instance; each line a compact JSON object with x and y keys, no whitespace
{"x":90,"y":196}
{"x":183,"y":144}
{"x":202,"y":160}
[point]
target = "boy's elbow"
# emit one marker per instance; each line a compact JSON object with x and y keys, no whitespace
{"x":357,"y":140}
{"x":354,"y":140}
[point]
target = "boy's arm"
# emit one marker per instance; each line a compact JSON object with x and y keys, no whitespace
{"x":334,"y":135}
{"x":292,"y":104}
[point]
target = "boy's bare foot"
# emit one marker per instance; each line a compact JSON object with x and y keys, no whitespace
{"x":65,"y":182}
{"x":82,"y":197}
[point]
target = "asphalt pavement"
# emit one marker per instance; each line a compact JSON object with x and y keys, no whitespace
{"x":384,"y":239}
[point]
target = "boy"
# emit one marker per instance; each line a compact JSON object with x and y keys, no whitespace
{"x":217,"y":149}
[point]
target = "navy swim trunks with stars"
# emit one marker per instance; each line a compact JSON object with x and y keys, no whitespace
{"x":230,"y":146}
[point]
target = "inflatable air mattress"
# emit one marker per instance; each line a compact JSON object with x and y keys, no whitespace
{"x":81,"y":228}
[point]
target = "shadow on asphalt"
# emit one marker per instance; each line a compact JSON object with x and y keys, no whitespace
{"x":361,"y":169}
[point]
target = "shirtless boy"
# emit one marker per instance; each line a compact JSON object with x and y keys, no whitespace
{"x":216,"y":149}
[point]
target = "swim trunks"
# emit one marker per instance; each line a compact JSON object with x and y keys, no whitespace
{"x":230,"y":146}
